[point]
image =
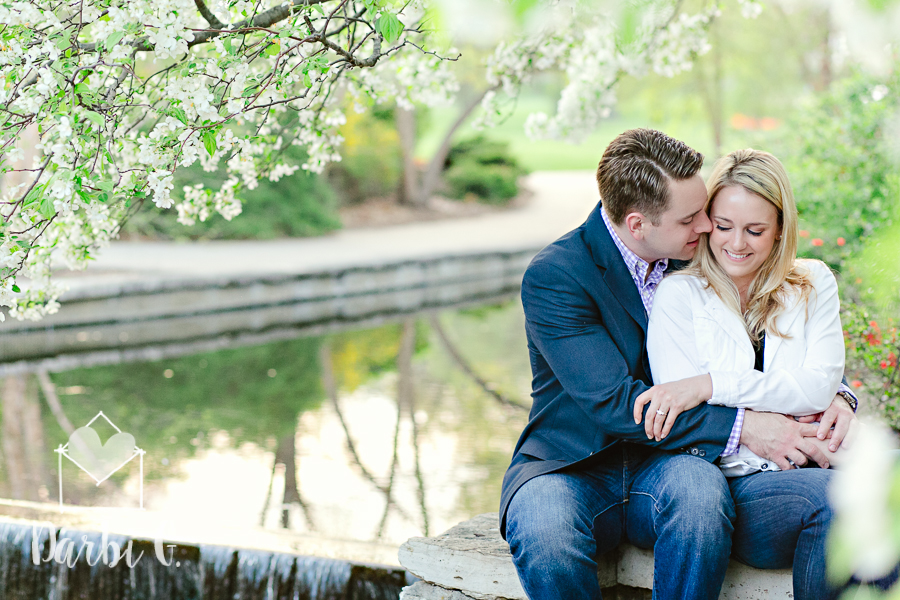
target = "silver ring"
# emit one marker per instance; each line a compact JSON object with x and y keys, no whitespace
{"x":661,"y":413}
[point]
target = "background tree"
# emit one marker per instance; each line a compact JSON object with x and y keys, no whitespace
{"x":104,"y":100}
{"x":110,"y":97}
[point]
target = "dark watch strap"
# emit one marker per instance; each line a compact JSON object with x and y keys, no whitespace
{"x":853,"y":402}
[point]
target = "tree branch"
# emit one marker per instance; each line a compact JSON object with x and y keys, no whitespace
{"x":264,"y":19}
{"x":467,"y":369}
{"x":210,"y":17}
{"x":436,"y":166}
{"x":53,"y":402}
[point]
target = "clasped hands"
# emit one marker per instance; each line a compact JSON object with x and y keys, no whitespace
{"x":785,"y":440}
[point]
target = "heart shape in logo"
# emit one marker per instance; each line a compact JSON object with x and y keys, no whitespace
{"x":100,"y":460}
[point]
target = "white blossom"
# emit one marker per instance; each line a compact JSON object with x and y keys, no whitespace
{"x":582,"y":42}
{"x":110,"y":130}
{"x":859,"y":493}
{"x":750,"y":9}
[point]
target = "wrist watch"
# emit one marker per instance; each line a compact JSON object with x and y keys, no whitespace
{"x":853,"y":402}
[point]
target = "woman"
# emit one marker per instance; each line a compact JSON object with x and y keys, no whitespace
{"x":761,"y":323}
{"x":765,"y":328}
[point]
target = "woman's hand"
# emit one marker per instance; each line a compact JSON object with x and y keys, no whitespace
{"x":669,"y":400}
{"x":838,"y":423}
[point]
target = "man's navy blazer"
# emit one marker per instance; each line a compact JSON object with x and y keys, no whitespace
{"x":586,"y":327}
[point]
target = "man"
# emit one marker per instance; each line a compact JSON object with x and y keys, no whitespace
{"x":584,"y":476}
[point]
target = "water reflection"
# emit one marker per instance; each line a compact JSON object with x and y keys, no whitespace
{"x":377,"y":434}
{"x":24,"y":449}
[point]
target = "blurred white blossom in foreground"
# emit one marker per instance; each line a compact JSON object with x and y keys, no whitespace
{"x":865,"y":538}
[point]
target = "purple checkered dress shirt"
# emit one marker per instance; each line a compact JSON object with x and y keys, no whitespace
{"x":646,"y":286}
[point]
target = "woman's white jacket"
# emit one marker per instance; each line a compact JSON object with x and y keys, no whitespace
{"x":692,"y":332}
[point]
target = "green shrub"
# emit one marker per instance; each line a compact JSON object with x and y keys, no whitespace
{"x":872,"y":349}
{"x":371,"y":163}
{"x":494,"y":184}
{"x":302,"y":204}
{"x":483,"y":168}
{"x":840,"y":152}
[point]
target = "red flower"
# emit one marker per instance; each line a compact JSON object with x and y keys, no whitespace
{"x":856,"y":383}
{"x":884,"y":364}
{"x":804,"y":233}
{"x":841,"y":241}
{"x":817,"y":242}
{"x":892,"y":360}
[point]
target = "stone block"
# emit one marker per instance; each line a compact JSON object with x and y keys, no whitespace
{"x":635,"y":569}
{"x":422,"y":590}
{"x":470,"y":557}
{"x":471,"y":560}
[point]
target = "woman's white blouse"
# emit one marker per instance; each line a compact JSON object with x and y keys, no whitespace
{"x":692,"y":332}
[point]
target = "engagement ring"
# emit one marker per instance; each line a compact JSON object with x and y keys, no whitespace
{"x":659,"y":412}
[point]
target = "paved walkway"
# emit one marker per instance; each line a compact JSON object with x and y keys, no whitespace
{"x":561,"y":201}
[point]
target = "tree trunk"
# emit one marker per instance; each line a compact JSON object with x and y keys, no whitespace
{"x":35,"y":448}
{"x":825,"y":75}
{"x":52,"y":399}
{"x":711,"y":88}
{"x":406,"y":130}
{"x":433,"y":173}
{"x":23,"y":438}
{"x":406,"y":401}
{"x":405,"y":384}
{"x":286,"y":455}
{"x":717,"y":108}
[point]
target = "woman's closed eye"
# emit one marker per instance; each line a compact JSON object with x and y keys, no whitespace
{"x":750,"y":231}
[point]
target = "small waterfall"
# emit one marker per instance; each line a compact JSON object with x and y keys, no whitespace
{"x":195,"y":573}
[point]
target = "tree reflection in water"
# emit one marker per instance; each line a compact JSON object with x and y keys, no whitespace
{"x":439,"y":460}
{"x":24,"y":449}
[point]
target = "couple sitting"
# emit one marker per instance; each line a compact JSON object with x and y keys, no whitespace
{"x":675,"y":411}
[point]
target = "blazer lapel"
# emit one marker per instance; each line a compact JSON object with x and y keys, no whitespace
{"x":606,"y":255}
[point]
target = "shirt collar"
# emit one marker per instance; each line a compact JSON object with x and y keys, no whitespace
{"x":637,"y":266}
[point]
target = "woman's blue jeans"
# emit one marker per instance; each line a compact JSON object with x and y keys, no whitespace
{"x":680,"y":506}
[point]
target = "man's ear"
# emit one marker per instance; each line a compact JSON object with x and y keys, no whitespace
{"x":636,"y":224}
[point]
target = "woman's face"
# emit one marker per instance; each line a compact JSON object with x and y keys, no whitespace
{"x":744,"y":229}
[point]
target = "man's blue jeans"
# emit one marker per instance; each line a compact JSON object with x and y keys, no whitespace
{"x":678,"y":505}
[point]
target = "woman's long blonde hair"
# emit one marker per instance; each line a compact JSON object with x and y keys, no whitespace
{"x":781,"y":274}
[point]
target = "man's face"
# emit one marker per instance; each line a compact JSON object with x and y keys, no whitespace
{"x":678,"y":232}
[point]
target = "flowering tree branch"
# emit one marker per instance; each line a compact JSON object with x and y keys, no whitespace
{"x":101,"y":101}
{"x":114,"y":96}
{"x":210,"y":17}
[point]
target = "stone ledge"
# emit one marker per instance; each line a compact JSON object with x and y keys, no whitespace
{"x":422,"y":590}
{"x":471,"y":561}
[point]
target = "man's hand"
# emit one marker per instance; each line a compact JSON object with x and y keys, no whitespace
{"x":844,"y":420}
{"x":668,"y":400}
{"x":781,"y":439}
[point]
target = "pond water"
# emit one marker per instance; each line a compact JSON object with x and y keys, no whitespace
{"x":369,"y":435}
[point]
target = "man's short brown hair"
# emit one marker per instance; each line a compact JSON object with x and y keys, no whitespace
{"x":635,"y":169}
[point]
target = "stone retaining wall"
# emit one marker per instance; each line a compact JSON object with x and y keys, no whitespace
{"x":150,"y":319}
